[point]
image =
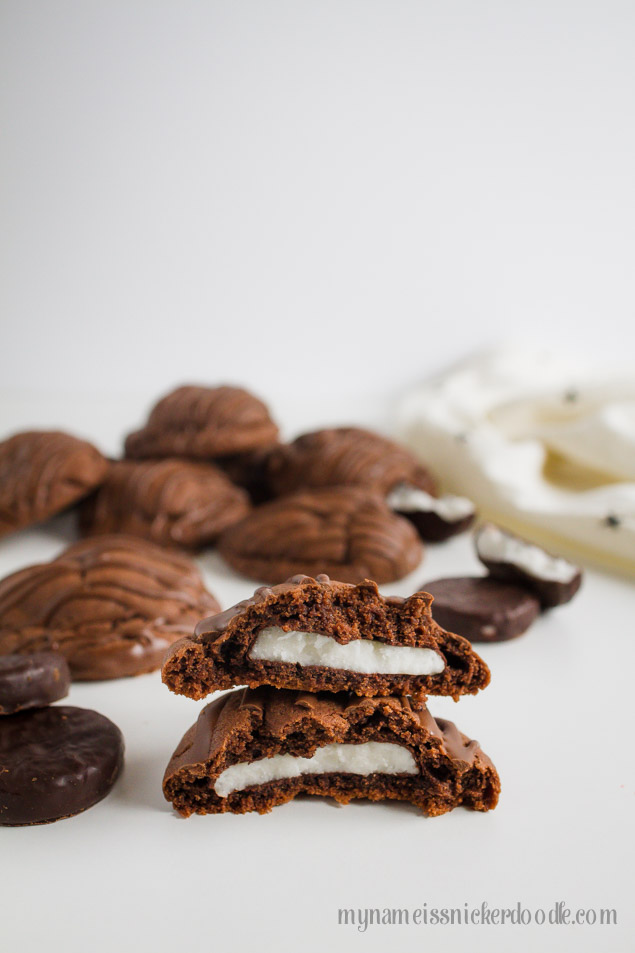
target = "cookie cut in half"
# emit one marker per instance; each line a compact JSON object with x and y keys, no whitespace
{"x":317,"y":634}
{"x":252,"y":750}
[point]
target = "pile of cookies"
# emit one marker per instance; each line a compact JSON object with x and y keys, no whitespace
{"x":337,"y":678}
{"x":207,"y":469}
{"x":330,"y":666}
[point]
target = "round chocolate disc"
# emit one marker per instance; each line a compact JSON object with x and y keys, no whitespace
{"x":482,"y":609}
{"x":56,"y":762}
{"x":32,"y":681}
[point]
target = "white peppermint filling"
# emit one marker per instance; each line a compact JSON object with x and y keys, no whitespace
{"x":410,"y":499}
{"x":273,"y":644}
{"x":370,"y":757}
{"x":495,"y":545}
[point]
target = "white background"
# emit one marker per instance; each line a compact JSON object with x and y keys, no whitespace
{"x":324,"y":201}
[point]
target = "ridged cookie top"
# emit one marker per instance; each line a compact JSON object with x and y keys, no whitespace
{"x":345,"y":456}
{"x":171,"y":502}
{"x":202,"y":423}
{"x":347,"y":532}
{"x":111,"y":605}
{"x":348,"y":610}
{"x":278,"y":714}
{"x":43,"y":472}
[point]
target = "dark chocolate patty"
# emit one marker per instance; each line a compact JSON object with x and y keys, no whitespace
{"x":32,"y":681}
{"x":482,"y":609}
{"x":56,"y":762}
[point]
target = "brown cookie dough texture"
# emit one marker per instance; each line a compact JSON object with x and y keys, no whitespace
{"x":247,"y":726}
{"x":346,"y":456}
{"x":170,"y":502}
{"x":42,"y":473}
{"x":346,"y":532}
{"x":217,"y":656}
{"x":203,"y":423}
{"x":111,"y":605}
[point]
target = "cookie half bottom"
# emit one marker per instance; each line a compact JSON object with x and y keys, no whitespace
{"x":251,"y":750}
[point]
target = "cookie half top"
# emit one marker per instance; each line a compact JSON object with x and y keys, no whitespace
{"x":345,"y":456}
{"x":252,"y":750}
{"x":318,"y":634}
{"x":347,"y":532}
{"x":170,"y":502}
{"x":202,"y":423}
{"x":42,"y":473}
{"x":111,"y":605}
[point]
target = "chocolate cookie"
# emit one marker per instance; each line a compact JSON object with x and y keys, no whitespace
{"x":482,"y":609}
{"x":111,"y":605}
{"x":345,"y":456}
{"x":203,"y":423}
{"x":56,"y":762}
{"x":32,"y":681}
{"x":512,"y":559}
{"x":42,"y":473}
{"x":249,"y":470}
{"x":346,"y":532}
{"x":171,"y":502}
{"x":252,"y":750}
{"x":314,"y":634}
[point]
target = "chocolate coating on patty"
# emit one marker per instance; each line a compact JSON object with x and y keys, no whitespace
{"x":482,"y":609}
{"x":345,"y":456}
{"x":42,"y":473}
{"x":56,"y":762}
{"x":345,"y":532}
{"x":202,"y":423}
{"x":249,"y":725}
{"x":32,"y":681}
{"x":112,"y":605}
{"x":170,"y":502}
{"x":217,"y":656}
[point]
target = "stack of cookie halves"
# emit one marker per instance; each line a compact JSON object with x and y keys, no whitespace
{"x":337,"y":678}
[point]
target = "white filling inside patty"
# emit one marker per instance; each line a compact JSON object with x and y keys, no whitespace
{"x":361,"y":655}
{"x":371,"y":757}
{"x":495,"y":545}
{"x":410,"y":499}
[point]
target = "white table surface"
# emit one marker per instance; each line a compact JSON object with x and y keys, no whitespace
{"x":557,"y":720}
